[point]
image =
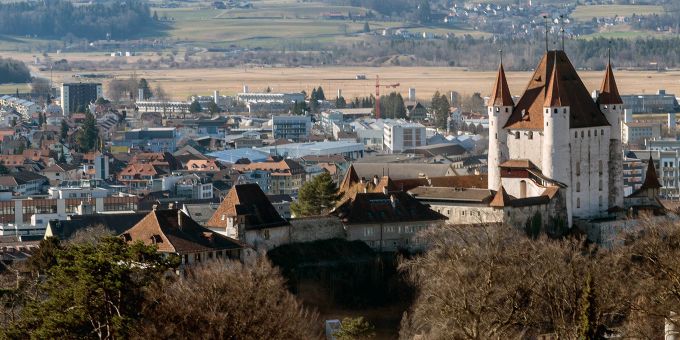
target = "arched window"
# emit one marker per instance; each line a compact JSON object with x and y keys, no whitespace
{"x":506,"y":110}
{"x":578,"y":168}
{"x":578,"y":186}
{"x":531,"y":135}
{"x":578,"y":202}
{"x":522,"y":189}
{"x":555,"y":110}
{"x":516,"y":134}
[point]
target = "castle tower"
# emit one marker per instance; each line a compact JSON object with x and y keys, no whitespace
{"x":500,"y":108}
{"x":611,"y":105}
{"x":555,"y":162}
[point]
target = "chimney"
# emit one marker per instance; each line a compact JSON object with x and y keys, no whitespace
{"x":393,"y":201}
{"x":181,"y":219}
{"x":376,"y":180}
{"x":385,"y":190}
{"x":154,"y":207}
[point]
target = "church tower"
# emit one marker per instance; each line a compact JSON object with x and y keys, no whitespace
{"x":611,"y":105}
{"x":500,"y":108}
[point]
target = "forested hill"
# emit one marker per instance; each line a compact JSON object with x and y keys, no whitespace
{"x":59,"y":18}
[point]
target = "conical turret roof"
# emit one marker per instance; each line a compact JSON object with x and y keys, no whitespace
{"x":500,"y":95}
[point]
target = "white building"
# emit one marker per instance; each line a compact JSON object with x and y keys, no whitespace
{"x":557,"y":136}
{"x":295,"y":128}
{"x":640,"y":132}
{"x":400,"y":135}
{"x":25,"y":108}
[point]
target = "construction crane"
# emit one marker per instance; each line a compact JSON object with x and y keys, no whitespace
{"x":377,"y":94}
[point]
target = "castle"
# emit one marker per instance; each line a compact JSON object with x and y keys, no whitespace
{"x":558,"y":137}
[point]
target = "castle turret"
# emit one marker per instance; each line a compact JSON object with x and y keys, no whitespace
{"x":500,"y":108}
{"x":611,"y":105}
{"x":555,"y":154}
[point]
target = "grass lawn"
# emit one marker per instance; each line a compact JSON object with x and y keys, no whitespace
{"x":587,"y":12}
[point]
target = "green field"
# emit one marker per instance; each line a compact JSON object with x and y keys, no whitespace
{"x":588,"y":12}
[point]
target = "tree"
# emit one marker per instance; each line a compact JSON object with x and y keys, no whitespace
{"x":64,"y":130}
{"x":300,"y":108}
{"x":227,"y":300}
{"x":144,"y":86}
{"x":40,"y":87}
{"x":340,"y":102}
{"x":589,"y":327}
{"x":87,"y":137}
{"x":3,"y":170}
{"x":319,"y":94}
{"x":440,"y":110}
{"x":13,"y":71}
{"x":354,"y":329}
{"x":92,"y":291}
{"x":46,"y":255}
{"x":195,"y":107}
{"x":213,"y":108}
{"x":473,"y":103}
{"x":316,"y":196}
{"x":424,"y":12}
{"x":367,"y":28}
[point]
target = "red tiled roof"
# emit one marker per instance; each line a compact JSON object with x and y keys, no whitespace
{"x":500,"y":95}
{"x":651,"y":179}
{"x":609,"y":92}
{"x":249,"y":201}
{"x":528,"y":113}
{"x":501,"y":199}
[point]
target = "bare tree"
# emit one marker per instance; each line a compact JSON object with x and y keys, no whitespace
{"x":227,"y":300}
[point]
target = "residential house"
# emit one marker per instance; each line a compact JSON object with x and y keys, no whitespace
{"x":57,"y":173}
{"x":247,"y":214}
{"x":23,"y":183}
{"x":173,"y":232}
{"x":286,"y":175}
{"x":138,"y":176}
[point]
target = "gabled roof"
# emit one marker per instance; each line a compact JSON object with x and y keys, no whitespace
{"x":116,"y":223}
{"x":501,"y":199}
{"x":528,"y":113}
{"x":609,"y":92}
{"x":172,"y":231}
{"x":248,"y":201}
{"x":651,"y":179}
{"x":500,"y":95}
{"x":378,"y":207}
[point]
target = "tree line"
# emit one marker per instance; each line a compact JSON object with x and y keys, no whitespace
{"x":60,"y":18}
{"x":13,"y":71}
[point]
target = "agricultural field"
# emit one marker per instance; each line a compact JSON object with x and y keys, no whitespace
{"x":588,"y":12}
{"x":183,"y":83}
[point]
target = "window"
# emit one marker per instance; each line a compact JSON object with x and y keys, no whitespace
{"x":578,"y":186}
{"x":368,"y":231}
{"x":516,"y":134}
{"x":599,"y":184}
{"x":575,"y":134}
{"x":555,"y":111}
{"x":588,"y":133}
{"x":595,"y":133}
{"x":522,"y":189}
{"x":578,"y":168}
{"x":599,"y":201}
{"x":599,"y":167}
{"x":581,"y":134}
{"x":531,"y":134}
{"x":602,"y":132}
{"x":578,"y":203}
{"x":506,"y":110}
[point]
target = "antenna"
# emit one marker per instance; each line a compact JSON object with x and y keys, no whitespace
{"x":501,"y":53}
{"x":609,"y":52}
{"x":545,"y":22}
{"x":562,"y":29}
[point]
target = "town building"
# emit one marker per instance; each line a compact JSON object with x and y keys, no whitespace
{"x":159,"y":139}
{"x":347,"y":149}
{"x":660,"y":102}
{"x":400,"y":135}
{"x":286,"y":176}
{"x":295,"y":128}
{"x":638,"y":133}
{"x":77,"y":96}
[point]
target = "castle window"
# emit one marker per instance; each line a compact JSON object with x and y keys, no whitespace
{"x":599,"y":167}
{"x":496,"y":135}
{"x":575,"y":134}
{"x":599,"y":201}
{"x":498,"y":109}
{"x":547,"y":110}
{"x":581,"y":134}
{"x":578,"y":168}
{"x":564,"y":110}
{"x":578,"y":186}
{"x":614,"y":107}
{"x":602,"y":131}
{"x":555,"y":110}
{"x":517,"y":135}
{"x":506,"y":110}
{"x":578,"y":202}
{"x":588,"y":133}
{"x":547,"y":124}
{"x":531,"y":135}
{"x":595,"y":133}
{"x":599,"y":185}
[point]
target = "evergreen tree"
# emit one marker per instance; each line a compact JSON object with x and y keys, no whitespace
{"x":195,"y":107}
{"x":424,"y":12}
{"x":64,"y":130}
{"x":213,"y":108}
{"x":589,"y":326}
{"x":3,"y":170}
{"x":440,"y":110}
{"x":340,"y":102}
{"x":319,"y":94}
{"x":366,"y":27}
{"x":91,"y":290}
{"x":144,"y":86}
{"x":155,"y":16}
{"x":87,"y":137}
{"x":316,"y":196}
